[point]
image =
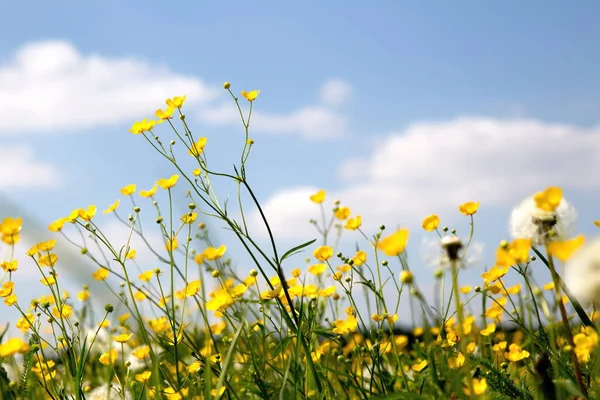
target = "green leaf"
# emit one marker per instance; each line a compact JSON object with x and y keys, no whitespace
{"x":228,"y":358}
{"x":294,"y":250}
{"x":569,"y":386}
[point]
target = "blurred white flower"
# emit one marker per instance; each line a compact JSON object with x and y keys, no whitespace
{"x":582,"y":273}
{"x":527,"y":221}
{"x":436,"y":256}
{"x":104,"y":392}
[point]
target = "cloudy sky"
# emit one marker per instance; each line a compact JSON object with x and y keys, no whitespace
{"x":399,"y":109}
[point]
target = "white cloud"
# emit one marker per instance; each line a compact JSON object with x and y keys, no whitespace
{"x":50,"y":85}
{"x":434,"y":167}
{"x":312,"y":122}
{"x":288,"y":213}
{"x":19,"y":168}
{"x":335,"y":92}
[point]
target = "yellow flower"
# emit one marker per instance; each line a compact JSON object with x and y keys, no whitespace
{"x":101,"y":274}
{"x":199,"y":259}
{"x":7,"y":289}
{"x":491,"y":328}
{"x":122,"y":338}
{"x":344,"y":268}
{"x":395,"y":243}
{"x":250,"y":96}
{"x":479,"y":386}
{"x":563,"y":250}
{"x":46,"y":246}
{"x":11,"y":226}
{"x":456,"y":362}
{"x":342,"y":213}
{"x":328,"y":291}
{"x":192,"y":288}
{"x":109,"y":357}
{"x":517,"y":252}
{"x":83,"y":295}
{"x":431,"y":222}
{"x":142,"y":126}
{"x":359,"y":258}
{"x":146,"y":276}
{"x":466,"y":289}
{"x":418,"y":367}
{"x":140,"y":296}
{"x":176,"y":102}
{"x":469,"y":208}
{"x":128,"y":190}
{"x":343,"y":327}
{"x":549,"y":199}
{"x":515,"y":289}
{"x":10,"y":266}
{"x":548,"y":286}
{"x":130,"y":254}
{"x":168,"y":183}
{"x":10,"y":300}
{"x":57,"y":225}
{"x":317,"y":269}
{"x":189,"y":218}
{"x":65,"y":312}
{"x":144,"y":377}
{"x":218,"y":328}
{"x":353,"y":223}
{"x":198,"y":147}
{"x":515,"y":353}
{"x":597,"y":223}
{"x":49,"y":281}
{"x":497,"y":272}
{"x":210,"y":253}
{"x":318,"y":197}
{"x":148,"y":193}
{"x":323,"y":253}
{"x":271,"y":294}
{"x":112,"y":207}
{"x":13,"y":346}
{"x":48,"y":260}
{"x":172,"y":244}
{"x":166,"y":114}
{"x":377,"y":317}
{"x":141,"y":352}
{"x":88,"y":214}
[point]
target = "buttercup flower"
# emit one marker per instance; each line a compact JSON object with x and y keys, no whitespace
{"x":395,"y":243}
{"x":431,"y":222}
{"x":469,"y":208}
{"x":250,"y":96}
{"x":318,"y":197}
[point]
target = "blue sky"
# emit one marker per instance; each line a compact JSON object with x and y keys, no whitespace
{"x":439,"y":104}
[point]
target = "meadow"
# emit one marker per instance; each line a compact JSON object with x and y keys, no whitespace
{"x":197,"y":328}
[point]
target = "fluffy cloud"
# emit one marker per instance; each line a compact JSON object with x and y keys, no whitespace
{"x":50,"y":85}
{"x":312,"y":122}
{"x":335,"y":92}
{"x":433,"y":167}
{"x":19,"y":168}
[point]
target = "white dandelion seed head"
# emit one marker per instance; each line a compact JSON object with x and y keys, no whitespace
{"x":434,"y":253}
{"x":582,"y":273}
{"x":527,"y":221}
